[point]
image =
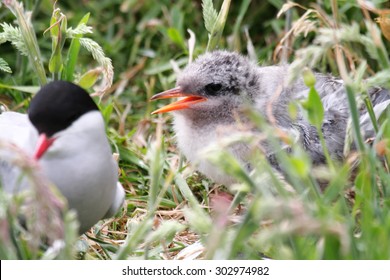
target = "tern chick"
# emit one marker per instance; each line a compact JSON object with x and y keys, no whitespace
{"x":217,"y":84}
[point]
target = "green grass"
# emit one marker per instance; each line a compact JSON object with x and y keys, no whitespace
{"x":169,"y":206}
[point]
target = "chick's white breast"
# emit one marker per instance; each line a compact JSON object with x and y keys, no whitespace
{"x":193,"y":141}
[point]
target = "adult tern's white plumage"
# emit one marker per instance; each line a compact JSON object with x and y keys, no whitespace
{"x":64,"y":131}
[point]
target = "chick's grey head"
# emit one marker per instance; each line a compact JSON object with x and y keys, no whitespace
{"x":216,"y":79}
{"x":217,"y":74}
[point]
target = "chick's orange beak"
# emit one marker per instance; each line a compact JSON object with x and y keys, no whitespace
{"x":42,"y":145}
{"x":183,"y":103}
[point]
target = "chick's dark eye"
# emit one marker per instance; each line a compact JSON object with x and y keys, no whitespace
{"x":213,"y":89}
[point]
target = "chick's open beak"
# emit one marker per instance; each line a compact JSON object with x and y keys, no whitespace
{"x":183,"y":103}
{"x":43,"y":144}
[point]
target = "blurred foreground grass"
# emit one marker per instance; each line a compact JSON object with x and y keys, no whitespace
{"x":172,"y":211}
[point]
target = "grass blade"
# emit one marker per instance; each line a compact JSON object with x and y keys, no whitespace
{"x":216,"y":33}
{"x":29,"y":38}
{"x":73,"y":52}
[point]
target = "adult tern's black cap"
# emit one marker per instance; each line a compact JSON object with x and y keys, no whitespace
{"x":57,"y":105}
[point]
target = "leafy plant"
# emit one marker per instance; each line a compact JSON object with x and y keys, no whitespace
{"x":24,"y":39}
